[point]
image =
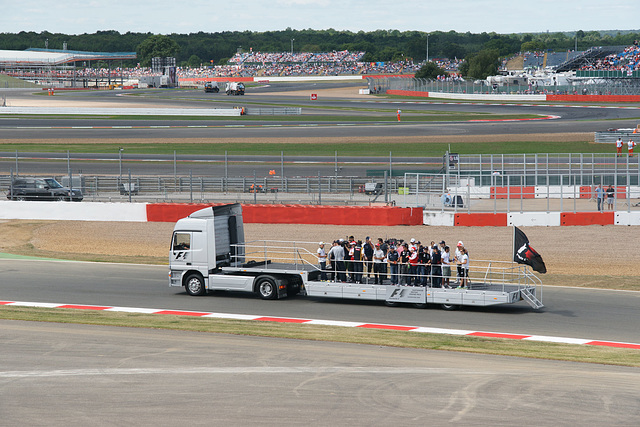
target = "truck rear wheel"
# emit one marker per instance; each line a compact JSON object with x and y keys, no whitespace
{"x":449,"y":307}
{"x":266,"y":287}
{"x":194,"y":285}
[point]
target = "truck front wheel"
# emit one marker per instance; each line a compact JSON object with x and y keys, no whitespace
{"x":266,"y":287}
{"x":194,"y":285}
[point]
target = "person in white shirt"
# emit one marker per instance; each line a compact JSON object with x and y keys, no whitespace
{"x":322,"y":261}
{"x":378,"y":259}
{"x":458,"y":254}
{"x":464,"y":263}
{"x":619,"y":147}
{"x":446,"y":267}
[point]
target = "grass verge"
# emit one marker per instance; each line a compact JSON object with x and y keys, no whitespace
{"x":385,"y":116}
{"x":502,"y":347}
{"x":374,"y":149}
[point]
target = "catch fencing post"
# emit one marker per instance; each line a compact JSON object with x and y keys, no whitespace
{"x":282,"y":168}
{"x":226,"y":171}
{"x":386,"y":184}
{"x":255,"y":188}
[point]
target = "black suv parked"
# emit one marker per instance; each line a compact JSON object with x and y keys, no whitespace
{"x":42,"y":189}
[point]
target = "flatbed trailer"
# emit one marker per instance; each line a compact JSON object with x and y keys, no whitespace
{"x":209,"y":253}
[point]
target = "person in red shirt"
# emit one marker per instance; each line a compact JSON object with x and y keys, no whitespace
{"x":414,"y":260}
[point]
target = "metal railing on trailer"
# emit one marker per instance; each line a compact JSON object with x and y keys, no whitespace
{"x":491,"y":276}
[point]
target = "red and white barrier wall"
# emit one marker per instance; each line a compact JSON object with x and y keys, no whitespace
{"x":524,"y":98}
{"x":299,"y":214}
{"x":529,"y":219}
{"x":308,"y":214}
{"x":171,"y":212}
{"x":96,"y":211}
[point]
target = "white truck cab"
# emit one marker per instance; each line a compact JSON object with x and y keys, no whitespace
{"x":208,"y":253}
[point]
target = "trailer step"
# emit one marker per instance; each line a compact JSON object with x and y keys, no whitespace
{"x":530,"y":298}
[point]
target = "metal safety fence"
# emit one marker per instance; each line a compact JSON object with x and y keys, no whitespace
{"x":618,"y":86}
{"x":493,"y":182}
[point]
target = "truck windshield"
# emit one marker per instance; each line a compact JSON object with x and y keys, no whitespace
{"x":52,"y":183}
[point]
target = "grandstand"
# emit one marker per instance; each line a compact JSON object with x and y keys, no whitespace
{"x":588,"y":58}
{"x":251,"y":57}
{"x":59,"y":66}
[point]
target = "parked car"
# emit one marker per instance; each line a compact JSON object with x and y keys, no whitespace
{"x":42,"y":189}
{"x":373,"y":188}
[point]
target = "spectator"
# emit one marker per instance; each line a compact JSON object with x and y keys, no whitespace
{"x":436,"y":270}
{"x":336,"y":259}
{"x":599,"y":197}
{"x":367,"y":251}
{"x":322,"y":261}
{"x":610,"y":196}
{"x":446,"y":267}
{"x":378,"y":260}
{"x":393,"y":258}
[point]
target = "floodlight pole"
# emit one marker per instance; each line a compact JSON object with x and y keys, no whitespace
{"x":427,"y":47}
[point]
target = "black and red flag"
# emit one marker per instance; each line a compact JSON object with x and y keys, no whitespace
{"x":523,"y":253}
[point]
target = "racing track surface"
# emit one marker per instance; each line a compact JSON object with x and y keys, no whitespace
{"x":572,"y":118}
{"x":89,"y":375}
{"x":78,"y":375}
{"x":573,"y":313}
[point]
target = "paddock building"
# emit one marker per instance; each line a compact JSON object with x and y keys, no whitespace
{"x":65,"y":68}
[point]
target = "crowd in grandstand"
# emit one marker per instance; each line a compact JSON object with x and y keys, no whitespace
{"x":257,"y":64}
{"x":628,"y":60}
{"x":252,"y":57}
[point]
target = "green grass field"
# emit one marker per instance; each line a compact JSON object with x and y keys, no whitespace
{"x":418,"y":149}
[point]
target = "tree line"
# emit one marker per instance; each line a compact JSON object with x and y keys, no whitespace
{"x":203,"y":48}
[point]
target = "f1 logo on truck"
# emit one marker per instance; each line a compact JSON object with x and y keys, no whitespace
{"x":397,"y":293}
{"x":180,"y":255}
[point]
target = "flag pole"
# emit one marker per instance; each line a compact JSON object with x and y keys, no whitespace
{"x":513,"y":244}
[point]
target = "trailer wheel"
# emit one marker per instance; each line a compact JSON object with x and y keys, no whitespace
{"x":266,"y":287}
{"x":450,"y":307}
{"x":391,"y":303}
{"x":194,"y":285}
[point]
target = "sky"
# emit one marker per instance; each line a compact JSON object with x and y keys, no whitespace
{"x":190,"y":16}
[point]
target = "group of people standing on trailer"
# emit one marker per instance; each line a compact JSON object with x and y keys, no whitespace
{"x":393,"y":262}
